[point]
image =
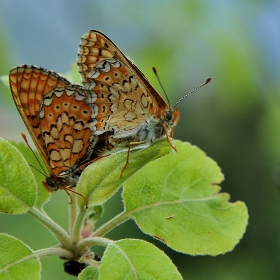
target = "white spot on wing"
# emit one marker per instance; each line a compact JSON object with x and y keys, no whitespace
{"x":94,"y":74}
{"x":54,"y":132}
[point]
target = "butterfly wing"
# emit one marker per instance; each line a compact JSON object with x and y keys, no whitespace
{"x":121,"y":87}
{"x":95,"y":47}
{"x":28,"y":85}
{"x":57,"y":114}
{"x":66,"y":118}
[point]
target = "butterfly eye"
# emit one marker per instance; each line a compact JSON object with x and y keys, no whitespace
{"x":168,"y":115}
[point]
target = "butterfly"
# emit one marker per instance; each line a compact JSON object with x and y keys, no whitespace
{"x":73,"y":125}
{"x":127,"y":106}
{"x":59,"y":117}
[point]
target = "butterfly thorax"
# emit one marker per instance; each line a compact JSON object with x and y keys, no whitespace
{"x":150,"y":131}
{"x":157,"y":128}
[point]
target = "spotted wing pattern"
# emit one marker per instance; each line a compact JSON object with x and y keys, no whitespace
{"x":66,"y":117}
{"x":128,"y":105}
{"x":59,"y":117}
{"x":96,"y":47}
{"x":72,"y":125}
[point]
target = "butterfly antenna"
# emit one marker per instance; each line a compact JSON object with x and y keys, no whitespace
{"x":25,"y":140}
{"x":44,"y":174}
{"x":205,"y":83}
{"x":155,"y":71}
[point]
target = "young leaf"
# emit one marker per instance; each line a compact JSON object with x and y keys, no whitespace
{"x":101,"y":179}
{"x":17,"y":260}
{"x":18,"y":189}
{"x":43,"y":194}
{"x":89,"y":273}
{"x":176,"y":199}
{"x":136,"y":259}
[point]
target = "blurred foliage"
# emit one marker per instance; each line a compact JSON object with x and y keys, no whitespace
{"x":235,"y":119}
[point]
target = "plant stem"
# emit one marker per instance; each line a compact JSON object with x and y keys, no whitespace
{"x":88,"y":242}
{"x":117,"y":220}
{"x":54,"y":251}
{"x":76,"y":234}
{"x":54,"y":228}
{"x":72,"y":214}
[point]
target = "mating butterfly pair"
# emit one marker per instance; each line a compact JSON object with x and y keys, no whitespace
{"x":72,"y":125}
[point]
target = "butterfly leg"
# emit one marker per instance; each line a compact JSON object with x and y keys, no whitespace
{"x":128,"y":153}
{"x":168,"y":138}
{"x":91,"y":161}
{"x":71,"y":200}
{"x":127,"y":160}
{"x":69,"y":189}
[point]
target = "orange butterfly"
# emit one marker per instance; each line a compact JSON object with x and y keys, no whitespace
{"x":127,"y":106}
{"x":59,"y":117}
{"x":72,"y":125}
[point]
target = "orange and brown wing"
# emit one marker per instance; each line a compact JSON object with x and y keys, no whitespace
{"x":28,"y":86}
{"x":66,"y":120}
{"x":123,"y":103}
{"x":95,"y":47}
{"x":121,"y":87}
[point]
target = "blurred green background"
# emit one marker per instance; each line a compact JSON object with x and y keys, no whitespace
{"x":235,"y":119}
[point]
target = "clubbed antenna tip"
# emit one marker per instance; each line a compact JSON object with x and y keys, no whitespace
{"x":205,"y":83}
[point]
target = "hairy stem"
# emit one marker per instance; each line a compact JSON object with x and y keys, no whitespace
{"x":54,"y":251}
{"x":90,"y":241}
{"x":72,"y":214}
{"x":60,"y":234}
{"x":117,"y":220}
{"x":76,"y":234}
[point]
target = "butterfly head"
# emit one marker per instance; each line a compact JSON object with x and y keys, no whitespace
{"x":171,"y":117}
{"x":54,"y":182}
{"x":50,"y":184}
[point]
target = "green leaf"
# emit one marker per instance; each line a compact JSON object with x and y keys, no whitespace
{"x":176,"y":200}
{"x":17,"y":260}
{"x":18,"y":189}
{"x":89,"y":273}
{"x":101,"y":179}
{"x":136,"y":259}
{"x":43,"y":194}
{"x":5,"y":80}
{"x":73,"y":75}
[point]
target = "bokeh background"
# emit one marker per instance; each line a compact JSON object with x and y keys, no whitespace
{"x":235,"y":119}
